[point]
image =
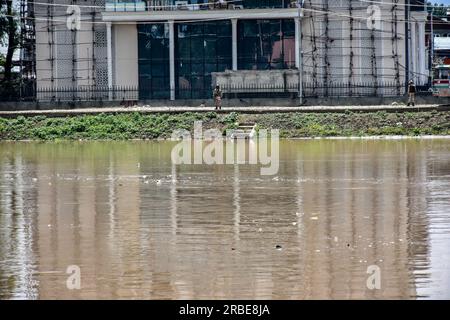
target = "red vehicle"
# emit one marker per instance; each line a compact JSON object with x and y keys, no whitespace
{"x":441,"y":80}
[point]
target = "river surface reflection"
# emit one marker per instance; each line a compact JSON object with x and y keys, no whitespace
{"x":141,"y":228}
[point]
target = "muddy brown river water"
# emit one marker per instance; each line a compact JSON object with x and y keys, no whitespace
{"x":139,"y":227}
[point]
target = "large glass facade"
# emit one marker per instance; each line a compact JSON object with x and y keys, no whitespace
{"x":266,"y":44}
{"x":200,"y":49}
{"x":205,"y":47}
{"x":153,"y":55}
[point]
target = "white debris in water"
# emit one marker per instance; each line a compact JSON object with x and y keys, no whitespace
{"x":317,"y":250}
{"x":260,"y":230}
{"x":314,"y":218}
{"x":49,"y":225}
{"x":158,"y":182}
{"x":294,"y":223}
{"x":139,"y":165}
{"x":299,"y":214}
{"x":49,"y":183}
{"x":336,"y":239}
{"x":35,"y":179}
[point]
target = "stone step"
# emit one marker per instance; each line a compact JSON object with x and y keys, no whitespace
{"x":244,"y":131}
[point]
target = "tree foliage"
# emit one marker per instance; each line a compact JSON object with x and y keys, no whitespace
{"x":439,"y":10}
{"x":10,"y":39}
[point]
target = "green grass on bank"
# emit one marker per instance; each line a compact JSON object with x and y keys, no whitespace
{"x":291,"y":125}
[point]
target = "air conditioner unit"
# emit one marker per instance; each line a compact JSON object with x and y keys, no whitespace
{"x":181,"y":5}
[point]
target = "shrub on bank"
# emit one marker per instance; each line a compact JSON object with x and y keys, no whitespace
{"x":291,"y":125}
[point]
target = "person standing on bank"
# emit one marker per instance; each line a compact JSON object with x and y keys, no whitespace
{"x":217,"y":95}
{"x":411,"y":93}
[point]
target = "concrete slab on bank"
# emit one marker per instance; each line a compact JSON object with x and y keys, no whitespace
{"x":249,"y":109}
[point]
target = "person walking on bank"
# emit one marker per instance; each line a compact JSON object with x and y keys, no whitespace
{"x":411,"y":93}
{"x":217,"y":95}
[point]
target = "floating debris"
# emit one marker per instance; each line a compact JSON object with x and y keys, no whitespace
{"x":336,"y":239}
{"x":278,"y":247}
{"x":314,"y":218}
{"x":294,"y":223}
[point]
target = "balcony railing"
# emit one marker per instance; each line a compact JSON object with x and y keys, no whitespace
{"x":168,"y":5}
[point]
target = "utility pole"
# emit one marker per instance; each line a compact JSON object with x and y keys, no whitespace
{"x":300,"y":66}
{"x":432,"y":47}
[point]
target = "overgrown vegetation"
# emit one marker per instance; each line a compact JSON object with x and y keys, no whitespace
{"x":291,"y":125}
{"x":357,"y":124}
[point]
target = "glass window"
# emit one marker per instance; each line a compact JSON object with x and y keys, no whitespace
{"x":249,"y":4}
{"x":209,"y":47}
{"x":153,"y":61}
{"x":266,"y":44}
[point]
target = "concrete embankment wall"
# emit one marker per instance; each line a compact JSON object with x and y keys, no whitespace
{"x":275,"y":102}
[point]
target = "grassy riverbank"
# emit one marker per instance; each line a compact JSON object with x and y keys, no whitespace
{"x":291,"y":125}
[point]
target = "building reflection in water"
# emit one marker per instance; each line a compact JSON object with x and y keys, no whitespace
{"x":141,"y":227}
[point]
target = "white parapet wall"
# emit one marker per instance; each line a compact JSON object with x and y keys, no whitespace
{"x":245,"y":80}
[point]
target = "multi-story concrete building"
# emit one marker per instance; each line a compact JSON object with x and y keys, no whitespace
{"x":171,"y":49}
